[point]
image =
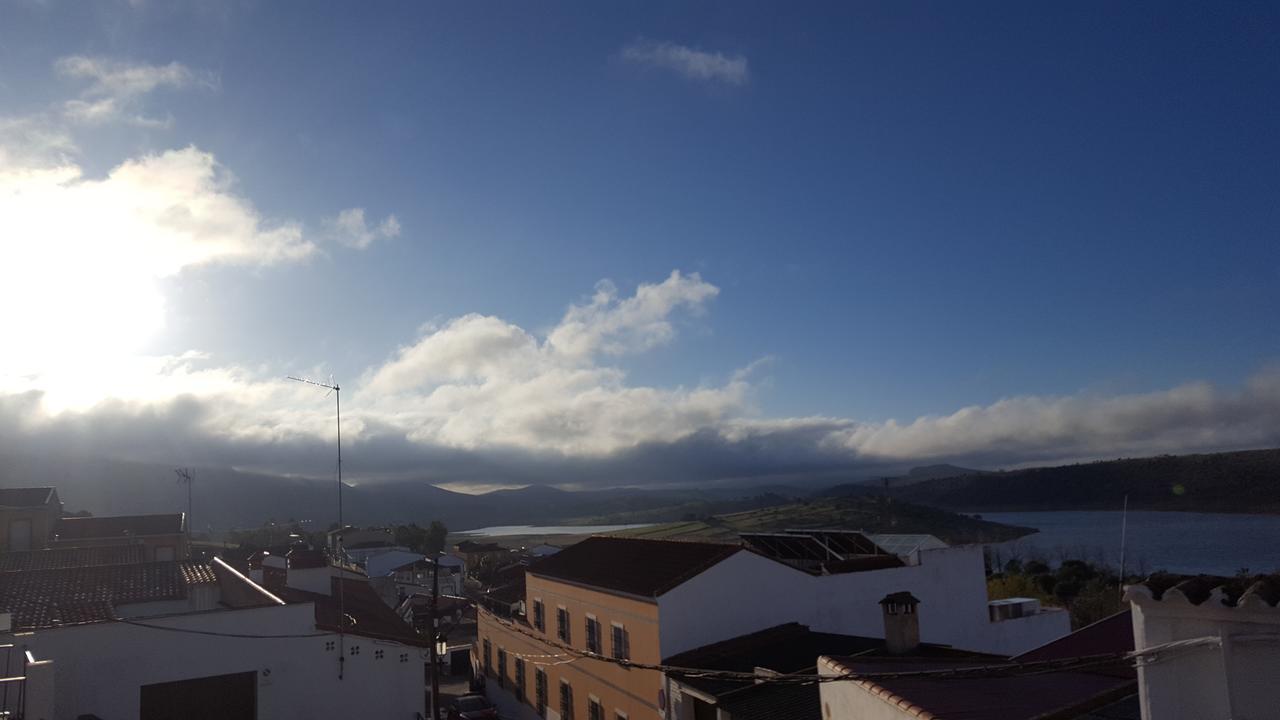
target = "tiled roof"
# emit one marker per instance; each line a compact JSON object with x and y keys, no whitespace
{"x":64,"y":596}
{"x":68,"y":557}
{"x":1255,"y":591}
{"x":1108,"y":636}
{"x":774,"y":702}
{"x":119,"y":526}
{"x":1026,"y":696}
{"x":26,"y":497}
{"x":785,"y":649}
{"x":470,"y":546}
{"x":367,"y":614}
{"x":647,"y":568}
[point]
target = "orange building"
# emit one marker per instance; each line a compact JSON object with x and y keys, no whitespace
{"x":600,"y":596}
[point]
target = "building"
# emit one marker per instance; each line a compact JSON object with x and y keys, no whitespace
{"x":475,"y":554}
{"x":646,"y":600}
{"x":112,"y":634}
{"x":1086,"y":675}
{"x":163,"y":537}
{"x":28,"y":517}
{"x":360,"y":544}
{"x":788,"y":649}
{"x":1212,"y":646}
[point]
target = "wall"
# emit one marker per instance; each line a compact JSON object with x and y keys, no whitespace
{"x":634,"y":692}
{"x":748,"y":592}
{"x":41,"y":518}
{"x":1237,"y":680}
{"x":851,"y":700}
{"x":100,"y":667}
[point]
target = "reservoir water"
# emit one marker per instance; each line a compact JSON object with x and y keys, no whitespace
{"x":1212,"y":543}
{"x":508,"y":530}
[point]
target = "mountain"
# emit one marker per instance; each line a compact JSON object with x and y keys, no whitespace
{"x":1246,"y":481}
{"x":875,"y":486}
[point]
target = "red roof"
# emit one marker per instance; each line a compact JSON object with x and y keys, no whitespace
{"x":1108,"y":636}
{"x":367,"y":614}
{"x":631,"y":565}
{"x":67,"y":557}
{"x":66,"y":596}
{"x":84,"y":528}
{"x":27,"y":497}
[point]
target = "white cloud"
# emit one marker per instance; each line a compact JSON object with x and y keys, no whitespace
{"x":87,"y":253}
{"x":691,"y":63}
{"x":350,"y":228}
{"x":115,"y":88}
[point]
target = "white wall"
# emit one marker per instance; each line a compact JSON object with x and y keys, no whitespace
{"x":748,"y":592}
{"x":100,"y":667}
{"x":1237,"y":680}
{"x":851,"y":701}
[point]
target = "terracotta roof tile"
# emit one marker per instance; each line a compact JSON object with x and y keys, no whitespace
{"x":648,"y":568}
{"x":67,"y":557}
{"x":119,"y":526}
{"x":1231,"y":591}
{"x":48,"y":598}
{"x":26,"y":497}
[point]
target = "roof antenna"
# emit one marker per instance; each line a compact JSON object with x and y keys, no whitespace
{"x":332,"y":387}
{"x":185,"y":476}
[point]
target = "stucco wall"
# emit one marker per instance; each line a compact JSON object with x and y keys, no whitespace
{"x":99,"y":668}
{"x":1237,"y":680}
{"x":748,"y":592}
{"x":850,"y":701}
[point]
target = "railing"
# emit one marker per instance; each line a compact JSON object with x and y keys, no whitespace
{"x":13,"y":688}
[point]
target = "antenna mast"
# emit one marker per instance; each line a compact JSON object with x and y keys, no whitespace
{"x":184,"y":476}
{"x":342,"y":571}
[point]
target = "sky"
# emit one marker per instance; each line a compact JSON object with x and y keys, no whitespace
{"x":649,"y":243}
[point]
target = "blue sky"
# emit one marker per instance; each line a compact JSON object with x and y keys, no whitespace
{"x":904,"y":209}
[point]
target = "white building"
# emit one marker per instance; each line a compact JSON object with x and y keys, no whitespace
{"x":1224,"y":663}
{"x":833,"y":581}
{"x":179,"y":639}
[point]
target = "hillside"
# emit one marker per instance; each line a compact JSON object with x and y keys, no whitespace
{"x":1244,"y":482}
{"x":869,"y":514}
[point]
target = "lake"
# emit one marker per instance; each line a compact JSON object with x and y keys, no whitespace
{"x":1211,"y":543}
{"x":508,"y":530}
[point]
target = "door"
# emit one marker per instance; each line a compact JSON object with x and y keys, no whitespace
{"x":219,"y":697}
{"x":19,"y":535}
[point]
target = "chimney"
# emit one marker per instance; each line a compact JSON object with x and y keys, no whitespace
{"x":275,"y":574}
{"x":901,"y":623}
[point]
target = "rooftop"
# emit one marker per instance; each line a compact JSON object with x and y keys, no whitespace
{"x":27,"y":497}
{"x":73,"y":595}
{"x":647,"y":568}
{"x":1242,"y":591}
{"x":367,"y":614}
{"x":116,"y":526}
{"x":470,"y":546}
{"x":69,"y":557}
{"x":1009,"y":695}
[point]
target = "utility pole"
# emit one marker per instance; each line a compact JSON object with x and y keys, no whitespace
{"x":435,"y":636}
{"x":342,"y":567}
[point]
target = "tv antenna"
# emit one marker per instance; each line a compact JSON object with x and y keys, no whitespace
{"x":333,"y":388}
{"x":185,"y":476}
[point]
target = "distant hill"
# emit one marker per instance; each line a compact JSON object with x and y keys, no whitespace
{"x":1245,"y":482}
{"x":850,"y":513}
{"x":913,"y":476}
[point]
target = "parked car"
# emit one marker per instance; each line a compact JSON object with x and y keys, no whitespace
{"x":474,"y":707}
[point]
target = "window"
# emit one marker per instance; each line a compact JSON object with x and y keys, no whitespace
{"x":594,"y":710}
{"x":566,"y":701}
{"x":539,"y":615}
{"x":593,"y":635}
{"x":621,"y":643}
{"x":502,"y":667}
{"x":562,"y":624}
{"x":519,"y":679}
{"x":488,"y":663}
{"x":540,"y":690}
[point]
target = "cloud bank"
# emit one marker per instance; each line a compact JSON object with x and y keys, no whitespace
{"x":688,"y":62}
{"x":349,"y":228}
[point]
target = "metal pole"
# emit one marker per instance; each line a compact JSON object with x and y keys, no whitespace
{"x":1124,"y":531}
{"x":342,"y":562}
{"x":433,"y":607}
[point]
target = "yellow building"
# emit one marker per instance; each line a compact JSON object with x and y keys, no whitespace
{"x":599,"y":596}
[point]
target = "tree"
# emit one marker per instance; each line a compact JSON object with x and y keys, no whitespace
{"x":436,"y":535}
